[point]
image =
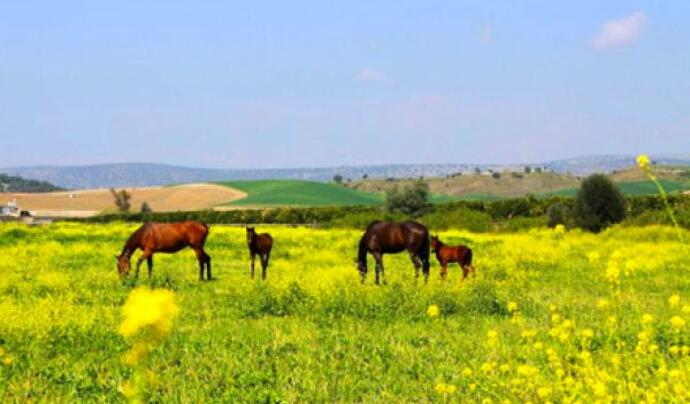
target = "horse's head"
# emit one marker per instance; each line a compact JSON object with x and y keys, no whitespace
{"x":122,"y":265}
{"x":435,"y":243}
{"x":250,"y":233}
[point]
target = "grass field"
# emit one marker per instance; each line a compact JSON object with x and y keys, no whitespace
{"x":550,"y":317}
{"x":634,"y":188}
{"x":299,"y":193}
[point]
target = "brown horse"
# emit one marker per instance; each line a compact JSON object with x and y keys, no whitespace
{"x":391,"y":237}
{"x":447,"y":254}
{"x":260,"y":244}
{"x":151,"y":238}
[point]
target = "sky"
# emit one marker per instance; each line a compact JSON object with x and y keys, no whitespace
{"x":322,"y":83}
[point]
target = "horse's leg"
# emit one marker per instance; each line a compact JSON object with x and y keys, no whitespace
{"x":379,"y":264}
{"x":416,"y":263}
{"x":253,"y":258}
{"x":207,"y":259}
{"x":200,"y":257}
{"x":465,"y":271}
{"x":149,"y":263}
{"x":444,"y":270}
{"x":144,"y":256}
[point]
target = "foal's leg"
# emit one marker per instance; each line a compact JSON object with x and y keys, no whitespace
{"x":253,"y":255}
{"x":444,"y":270}
{"x":264,"y":264}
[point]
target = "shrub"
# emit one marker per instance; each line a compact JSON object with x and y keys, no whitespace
{"x":412,"y":200}
{"x":558,"y":213}
{"x":598,"y":204}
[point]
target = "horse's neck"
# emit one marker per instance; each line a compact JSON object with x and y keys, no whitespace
{"x":131,"y":245}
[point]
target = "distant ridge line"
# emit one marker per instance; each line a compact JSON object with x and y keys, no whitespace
{"x":153,"y":174}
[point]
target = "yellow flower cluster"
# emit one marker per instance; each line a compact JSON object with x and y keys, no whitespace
{"x":443,"y":388}
{"x":146,"y":308}
{"x":433,"y":311}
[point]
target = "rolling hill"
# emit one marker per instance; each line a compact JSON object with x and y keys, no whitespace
{"x":143,"y":174}
{"x":299,"y":193}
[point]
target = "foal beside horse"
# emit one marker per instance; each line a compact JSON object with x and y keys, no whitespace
{"x":260,"y":244}
{"x":447,"y":254}
{"x":151,"y":238}
{"x":391,"y":237}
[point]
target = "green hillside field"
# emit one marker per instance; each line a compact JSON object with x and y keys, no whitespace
{"x":633,"y":188}
{"x":299,"y":193}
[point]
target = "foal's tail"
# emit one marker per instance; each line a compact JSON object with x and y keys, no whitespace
{"x":467,"y":258}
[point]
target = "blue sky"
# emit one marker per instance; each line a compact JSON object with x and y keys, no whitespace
{"x":285,"y":84}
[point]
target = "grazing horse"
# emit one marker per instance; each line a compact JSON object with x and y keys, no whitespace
{"x":391,"y":237}
{"x":260,"y":244}
{"x":151,"y":238}
{"x":447,"y":254}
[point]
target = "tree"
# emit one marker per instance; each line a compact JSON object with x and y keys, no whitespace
{"x":412,"y":200}
{"x":495,"y":175}
{"x":145,"y":208}
{"x":538,"y":170}
{"x":528,"y":170}
{"x":598,"y":204}
{"x":338,"y":179}
{"x":122,"y":199}
{"x":365,"y":176}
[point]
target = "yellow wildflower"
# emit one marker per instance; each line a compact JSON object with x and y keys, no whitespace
{"x":559,"y":229}
{"x":467,"y":372}
{"x":587,"y":333}
{"x":674,"y":300}
{"x":512,"y":306}
{"x":543,"y":392}
{"x":148,"y":308}
{"x":643,"y":162}
{"x":7,"y":361}
{"x":433,"y":311}
{"x":647,"y":318}
{"x":602,"y":303}
{"x":677,"y":322}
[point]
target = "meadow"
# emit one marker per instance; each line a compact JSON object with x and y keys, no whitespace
{"x":552,"y":316}
{"x":299,"y":193}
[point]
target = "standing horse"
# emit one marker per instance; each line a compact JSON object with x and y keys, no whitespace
{"x":151,"y":238}
{"x":260,"y":244}
{"x":447,"y":254}
{"x":391,"y":237}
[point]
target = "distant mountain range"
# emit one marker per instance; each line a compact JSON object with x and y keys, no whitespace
{"x":142,"y":174}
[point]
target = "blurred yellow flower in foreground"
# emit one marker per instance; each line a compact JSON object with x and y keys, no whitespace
{"x":643,"y":162}
{"x":677,"y":322}
{"x":433,"y":311}
{"x":148,"y":308}
{"x":674,"y":300}
{"x":512,"y":306}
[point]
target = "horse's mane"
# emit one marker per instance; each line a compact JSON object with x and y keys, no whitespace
{"x":133,"y":241}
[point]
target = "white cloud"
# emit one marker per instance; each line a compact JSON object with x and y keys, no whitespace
{"x":621,"y":31}
{"x":370,"y":75}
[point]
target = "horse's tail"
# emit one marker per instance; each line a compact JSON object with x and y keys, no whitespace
{"x":424,"y":255}
{"x":467,"y":259}
{"x":362,"y":252}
